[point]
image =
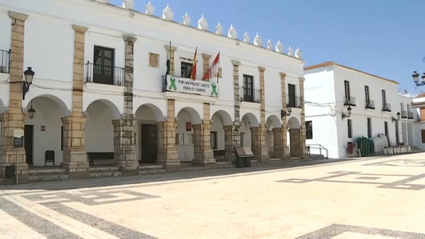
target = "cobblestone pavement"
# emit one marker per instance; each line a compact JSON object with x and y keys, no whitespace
{"x":358,"y":198}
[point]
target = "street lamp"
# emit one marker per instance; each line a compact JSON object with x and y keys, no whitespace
{"x":415,"y":76}
{"x":398,"y":117}
{"x":29,"y":76}
{"x":346,"y":115}
{"x":286,"y":112}
{"x":31,"y":112}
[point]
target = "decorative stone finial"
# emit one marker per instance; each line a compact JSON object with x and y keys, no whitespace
{"x":203,"y":23}
{"x":232,"y":33}
{"x":258,"y":41}
{"x":290,"y":51}
{"x":150,"y":9}
{"x":219,"y":29}
{"x":269,"y":45}
{"x":186,"y":19}
{"x":298,"y":53}
{"x":279,"y":47}
{"x":168,"y":13}
{"x":129,"y":4}
{"x":246,"y":37}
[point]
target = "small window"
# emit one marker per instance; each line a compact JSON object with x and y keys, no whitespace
{"x":423,"y":136}
{"x":309,"y":130}
{"x":369,"y":127}
{"x":186,"y":69}
{"x":213,"y":139}
{"x":350,"y":128}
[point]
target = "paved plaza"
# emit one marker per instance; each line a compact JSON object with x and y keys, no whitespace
{"x":367,"y":198}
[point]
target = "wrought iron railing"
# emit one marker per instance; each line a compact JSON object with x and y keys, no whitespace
{"x":293,"y":101}
{"x":317,"y":149}
{"x":410,"y":115}
{"x":348,"y":100}
{"x":102,"y":74}
{"x":5,"y":61}
{"x":370,"y":104}
{"x":249,"y":95}
{"x":386,"y":107}
{"x":404,"y":114}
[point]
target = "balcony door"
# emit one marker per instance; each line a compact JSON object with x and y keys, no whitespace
{"x":367,"y":96}
{"x":103,"y":65}
{"x":248,"y":88}
{"x":347,"y":91}
{"x":291,"y":96}
{"x":384,"y":99}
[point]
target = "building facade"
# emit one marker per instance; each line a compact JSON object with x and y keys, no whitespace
{"x":112,"y":83}
{"x":343,"y":104}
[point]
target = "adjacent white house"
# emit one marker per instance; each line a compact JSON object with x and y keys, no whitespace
{"x":343,"y":104}
{"x":115,"y":83}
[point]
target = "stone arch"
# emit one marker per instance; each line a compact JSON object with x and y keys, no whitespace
{"x":223,"y":116}
{"x":250,"y":120}
{"x":112,"y":107}
{"x":273,"y":122}
{"x":196,"y":118}
{"x":62,"y":106}
{"x":293,"y":123}
{"x":159,"y":116}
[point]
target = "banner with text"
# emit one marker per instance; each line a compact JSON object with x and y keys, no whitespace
{"x":189,"y":86}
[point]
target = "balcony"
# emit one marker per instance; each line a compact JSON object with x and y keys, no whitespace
{"x":5,"y":61}
{"x":404,"y":114}
{"x":249,"y":95}
{"x":370,"y":104}
{"x":410,"y":115}
{"x":293,"y":101}
{"x":102,"y":74}
{"x":351,"y":101}
{"x":386,"y":107}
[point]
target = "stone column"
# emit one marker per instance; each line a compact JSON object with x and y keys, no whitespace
{"x":278,"y":141}
{"x":14,"y":117}
{"x":229,"y":151}
{"x":124,"y":141}
{"x":302,"y":128}
{"x":172,"y":53}
{"x":74,"y":151}
{"x":204,"y":154}
{"x":270,"y":136}
{"x":296,"y":149}
{"x":236,"y":128}
{"x":285,"y":154}
{"x":206,"y":62}
{"x":167,"y":151}
{"x":260,"y":140}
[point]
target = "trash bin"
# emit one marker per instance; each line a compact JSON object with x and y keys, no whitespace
{"x":240,"y":162}
{"x":247,"y":162}
{"x":10,"y":172}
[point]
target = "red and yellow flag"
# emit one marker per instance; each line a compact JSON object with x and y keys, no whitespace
{"x":194,"y":65}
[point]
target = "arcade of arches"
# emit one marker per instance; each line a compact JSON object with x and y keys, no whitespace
{"x":105,"y":138}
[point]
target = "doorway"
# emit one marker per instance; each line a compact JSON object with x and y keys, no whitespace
{"x":29,"y":143}
{"x":149,"y":141}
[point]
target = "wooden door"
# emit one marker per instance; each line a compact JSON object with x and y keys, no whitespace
{"x":29,"y":143}
{"x":149,"y":141}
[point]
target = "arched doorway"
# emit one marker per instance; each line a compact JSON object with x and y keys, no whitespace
{"x":43,"y":133}
{"x":221,"y":135}
{"x":99,"y":130}
{"x":274,"y":136}
{"x":294,"y":131}
{"x":248,"y":121}
{"x":147,"y":116}
{"x":185,"y":140}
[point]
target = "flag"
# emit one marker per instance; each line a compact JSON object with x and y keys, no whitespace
{"x":213,"y":70}
{"x":194,"y":66}
{"x":169,"y":61}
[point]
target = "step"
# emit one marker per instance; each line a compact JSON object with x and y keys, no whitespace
{"x":103,"y":174}
{"x":152,"y":171}
{"x":103,"y":168}
{"x":151,"y":167}
{"x":47,"y":177}
{"x":192,"y":168}
{"x":46,"y":170}
{"x":220,"y":165}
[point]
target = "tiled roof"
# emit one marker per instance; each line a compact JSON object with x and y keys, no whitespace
{"x":332,"y":63}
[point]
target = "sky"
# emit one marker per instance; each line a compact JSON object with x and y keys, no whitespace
{"x":381,"y":37}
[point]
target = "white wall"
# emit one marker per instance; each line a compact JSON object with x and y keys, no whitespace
{"x":99,"y":128}
{"x":6,"y":26}
{"x":48,"y":114}
{"x":186,"y":152}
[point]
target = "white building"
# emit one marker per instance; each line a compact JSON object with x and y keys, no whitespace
{"x":331,"y":89}
{"x":99,"y":88}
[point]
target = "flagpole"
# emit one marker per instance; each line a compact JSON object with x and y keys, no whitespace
{"x":218,"y":70}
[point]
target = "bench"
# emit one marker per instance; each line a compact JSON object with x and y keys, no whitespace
{"x":99,"y":155}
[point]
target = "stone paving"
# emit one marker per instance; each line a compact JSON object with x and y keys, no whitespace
{"x":358,"y":198}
